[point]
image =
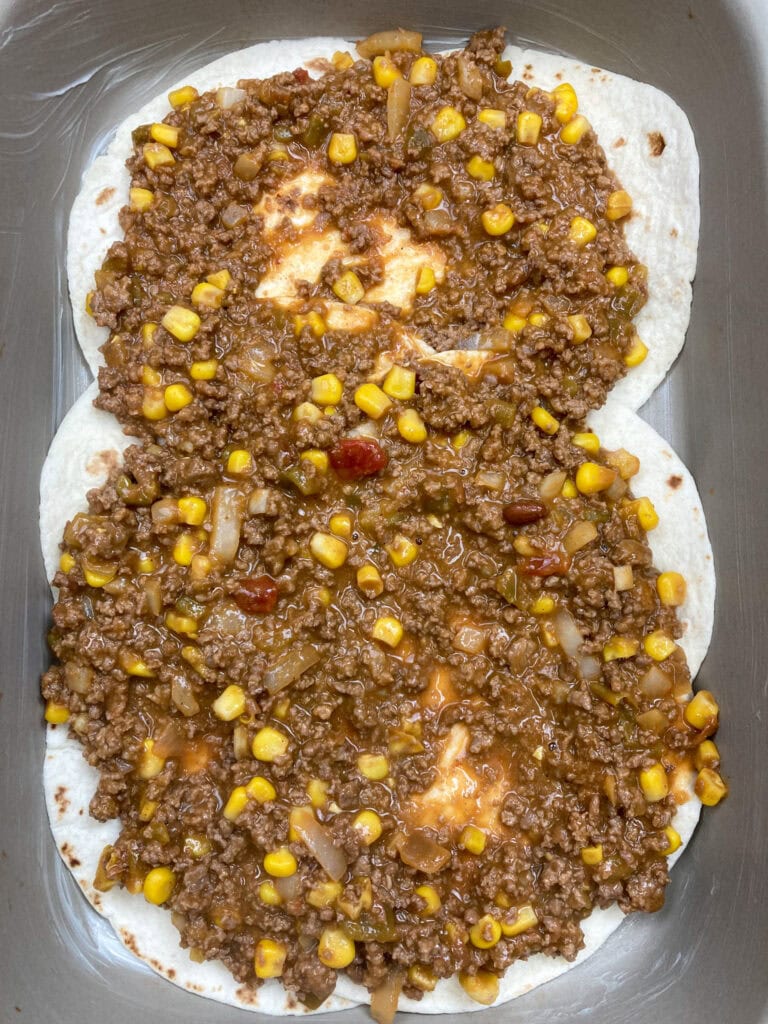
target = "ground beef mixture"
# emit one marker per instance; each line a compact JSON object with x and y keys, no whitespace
{"x":370,"y":653}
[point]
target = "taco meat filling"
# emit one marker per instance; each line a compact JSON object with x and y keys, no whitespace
{"x":364,"y":638}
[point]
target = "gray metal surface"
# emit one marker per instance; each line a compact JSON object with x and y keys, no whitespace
{"x":71,"y":70}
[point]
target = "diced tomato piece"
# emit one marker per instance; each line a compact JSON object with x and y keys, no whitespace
{"x":356,"y":457}
{"x":301,"y":75}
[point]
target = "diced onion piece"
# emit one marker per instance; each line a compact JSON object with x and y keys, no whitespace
{"x":398,"y":107}
{"x":319,"y":842}
{"x":385,"y":998}
{"x":290,"y":887}
{"x":242,"y":747}
{"x":493,"y":481}
{"x":165,"y":512}
{"x":393,"y":41}
{"x":655,"y":683}
{"x":289,"y":666}
{"x":183,"y":696}
{"x":579,"y":535}
{"x":153,"y":594}
{"x":470,"y":639}
{"x":617,"y":489}
{"x":418,"y":851}
{"x":654,"y":721}
{"x":623,"y":577}
{"x":258,"y":502}
{"x":552,"y":484}
{"x":227,"y":97}
{"x":226,"y":521}
{"x":78,"y":677}
{"x":570,"y":638}
{"x":470,"y":78}
{"x":368,"y":428}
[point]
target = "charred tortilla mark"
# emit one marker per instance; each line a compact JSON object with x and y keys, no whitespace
{"x":621,"y":141}
{"x":129,"y":940}
{"x":104,"y":196}
{"x":60,"y":796}
{"x":675,"y":481}
{"x":247,"y":996}
{"x":103,"y":462}
{"x":656,"y":143}
{"x":673,"y":232}
{"x":68,"y":855}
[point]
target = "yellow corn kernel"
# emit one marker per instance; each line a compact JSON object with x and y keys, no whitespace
{"x":157,"y":155}
{"x":317,"y":457}
{"x":269,"y":958}
{"x":486,"y":933}
{"x":538,"y":319}
{"x":647,"y":516}
{"x":493,"y":118}
{"x":589,"y":442}
{"x":710,"y":787}
{"x":575,"y":130}
{"x":328,"y":550}
{"x":658,"y":645}
{"x":523,"y":546}
{"x":543,"y":606}
{"x":177,"y":396}
{"x":654,"y":783}
{"x":481,"y":169}
{"x":617,"y":276}
{"x":592,"y":855}
{"x":153,"y":405}
{"x":671,"y":588}
{"x":327,"y":389}
{"x":336,"y":949}
{"x":373,"y":766}
{"x":619,"y":205}
{"x":582,"y":231}
{"x":459,"y":440}
{"x":423,"y":71}
{"x":525,"y":920}
{"x":67,"y":562}
{"x":636,"y":354}
{"x":141,"y":199}
{"x":317,"y":791}
{"x":371,"y":400}
{"x":236,"y":804}
{"x":149,"y":764}
{"x":220,"y":278}
{"x":342,"y":60}
{"x":707,"y":755}
{"x":239,"y":462}
{"x":448,"y":124}
{"x":388,"y":630}
{"x":278,"y":152}
{"x":165,"y":134}
{"x":306,"y":411}
{"x":180,"y":623}
{"x":200,"y":567}
{"x":426,"y":281}
{"x":261,"y":790}
{"x":429,"y":196}
{"x":158,"y":885}
{"x":147,"y":810}
{"x":568,"y":489}
{"x":341,"y":524}
{"x":400,"y":383}
{"x":545,"y":421}
{"x":181,"y":322}
{"x":349,"y":288}
{"x":368,"y":823}
{"x":268,"y":894}
{"x":473,"y":839}
{"x":148,"y":333}
{"x":528,"y":128}
{"x":268,"y":744}
{"x":514,"y":323}
{"x":180,"y":97}
{"x":185,"y":548}
{"x":619,"y":647}
{"x":324,"y":894}
{"x":230,"y":703}
{"x":342,"y":149}
{"x":280,"y":863}
{"x":580,"y":328}
{"x":56,"y":714}
{"x":422,"y":977}
{"x":402,"y":550}
{"x":702,"y":711}
{"x":625,"y":464}
{"x":674,"y":841}
{"x":411,"y":426}
{"x":192,"y":510}
{"x":566,"y":102}
{"x":369,"y":580}
{"x":483,"y":986}
{"x":313,"y":320}
{"x":591,"y":478}
{"x":431,"y":897}
{"x":150,"y":376}
{"x":385,"y":71}
{"x":207,"y":295}
{"x":498,"y":220}
{"x":99,"y":577}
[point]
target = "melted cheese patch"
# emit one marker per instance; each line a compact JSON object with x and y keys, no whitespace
{"x":462,"y":793}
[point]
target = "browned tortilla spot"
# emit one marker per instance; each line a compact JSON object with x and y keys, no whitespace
{"x":657,"y":143}
{"x":675,"y":481}
{"x":104,"y":196}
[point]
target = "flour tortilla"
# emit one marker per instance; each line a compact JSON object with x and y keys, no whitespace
{"x":87,"y":444}
{"x":630,"y":119}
